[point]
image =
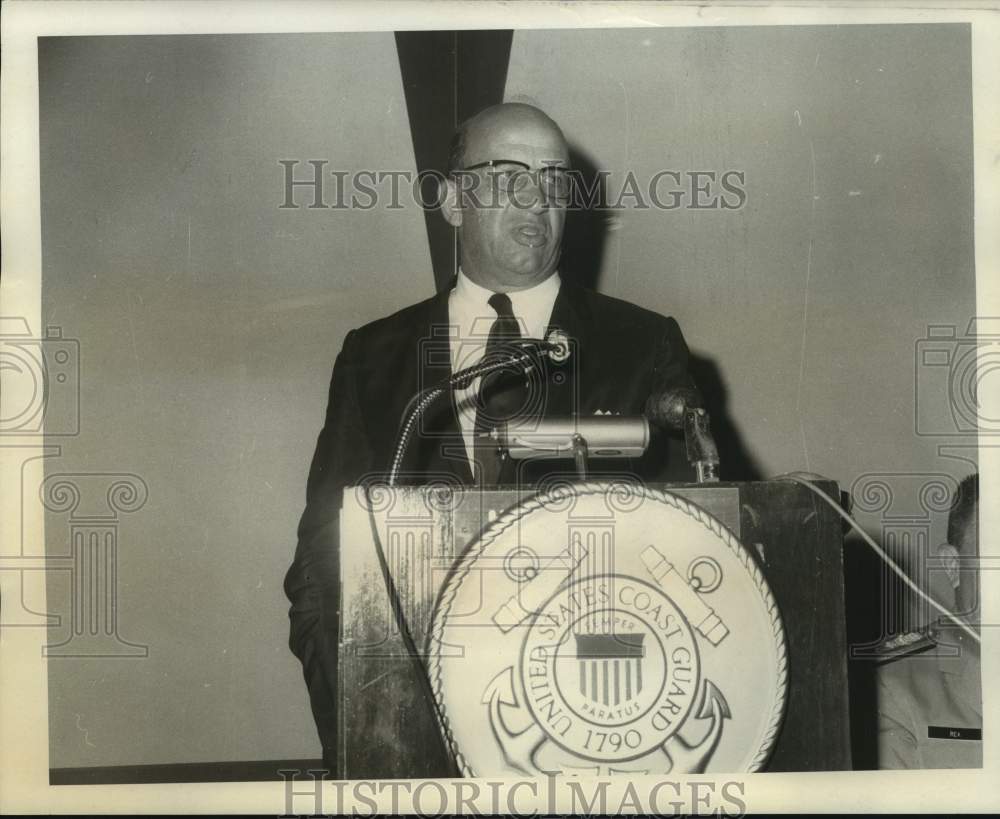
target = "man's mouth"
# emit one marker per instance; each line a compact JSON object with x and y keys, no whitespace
{"x":530,"y":235}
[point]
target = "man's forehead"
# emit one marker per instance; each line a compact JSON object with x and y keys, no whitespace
{"x":523,"y":151}
{"x":533,"y":142}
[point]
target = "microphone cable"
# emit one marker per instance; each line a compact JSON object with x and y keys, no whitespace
{"x":423,"y":677}
{"x":558,"y":350}
{"x":806,"y":480}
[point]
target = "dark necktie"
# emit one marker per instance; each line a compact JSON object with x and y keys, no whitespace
{"x":501,"y":394}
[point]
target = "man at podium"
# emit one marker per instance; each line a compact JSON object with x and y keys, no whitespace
{"x":507,"y":194}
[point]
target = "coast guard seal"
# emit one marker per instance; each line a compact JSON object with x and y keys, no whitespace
{"x":604,"y":629}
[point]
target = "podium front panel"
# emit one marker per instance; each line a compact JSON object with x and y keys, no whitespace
{"x":386,"y":722}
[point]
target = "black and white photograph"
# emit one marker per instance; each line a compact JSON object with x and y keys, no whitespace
{"x":498,"y":408}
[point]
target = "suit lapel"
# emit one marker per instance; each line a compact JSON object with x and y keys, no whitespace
{"x":442,"y":448}
{"x":569,"y":315}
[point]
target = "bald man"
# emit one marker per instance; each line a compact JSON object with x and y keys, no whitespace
{"x":506,"y":195}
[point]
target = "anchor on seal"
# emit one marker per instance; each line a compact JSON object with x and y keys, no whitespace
{"x":520,"y":748}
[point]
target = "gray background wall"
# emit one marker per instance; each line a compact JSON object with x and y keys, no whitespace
{"x":208,"y":318}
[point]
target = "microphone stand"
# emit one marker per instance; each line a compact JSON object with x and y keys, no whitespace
{"x":680,"y":410}
{"x":702,"y":452}
{"x":580,"y":453}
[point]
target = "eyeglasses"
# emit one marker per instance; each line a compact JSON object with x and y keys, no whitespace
{"x":511,"y":177}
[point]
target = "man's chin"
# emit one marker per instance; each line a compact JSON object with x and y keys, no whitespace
{"x":529,"y":268}
{"x":521,"y":280}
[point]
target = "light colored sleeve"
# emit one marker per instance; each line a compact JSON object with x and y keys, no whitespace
{"x":898,"y":746}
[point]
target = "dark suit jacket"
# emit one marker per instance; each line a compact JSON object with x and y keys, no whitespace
{"x":621,"y":354}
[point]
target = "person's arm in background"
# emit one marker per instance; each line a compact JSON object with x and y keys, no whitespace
{"x":312,"y":582}
{"x":666,"y":459}
{"x":671,"y":359}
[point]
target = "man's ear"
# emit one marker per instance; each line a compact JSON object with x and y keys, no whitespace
{"x":949,"y":557}
{"x":451,"y":208}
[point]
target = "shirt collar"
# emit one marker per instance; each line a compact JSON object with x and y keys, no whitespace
{"x":533,"y":306}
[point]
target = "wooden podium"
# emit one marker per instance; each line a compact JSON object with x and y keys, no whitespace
{"x":387,"y":727}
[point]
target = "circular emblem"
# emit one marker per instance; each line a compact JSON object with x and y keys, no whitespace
{"x":581,"y":634}
{"x":609,"y":668}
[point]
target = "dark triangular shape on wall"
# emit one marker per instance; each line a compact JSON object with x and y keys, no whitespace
{"x":447,"y":77}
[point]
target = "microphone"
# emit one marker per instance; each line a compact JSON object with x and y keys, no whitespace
{"x":604,"y":436}
{"x":558,"y":343}
{"x":520,"y":357}
{"x":667,"y":409}
{"x":682,"y":409}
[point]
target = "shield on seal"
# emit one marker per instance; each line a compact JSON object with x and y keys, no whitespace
{"x":610,"y":666}
{"x":645,"y":641}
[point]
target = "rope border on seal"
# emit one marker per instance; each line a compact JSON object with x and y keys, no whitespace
{"x":464,"y":564}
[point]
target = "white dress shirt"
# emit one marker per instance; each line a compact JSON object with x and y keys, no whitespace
{"x":470,"y":317}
